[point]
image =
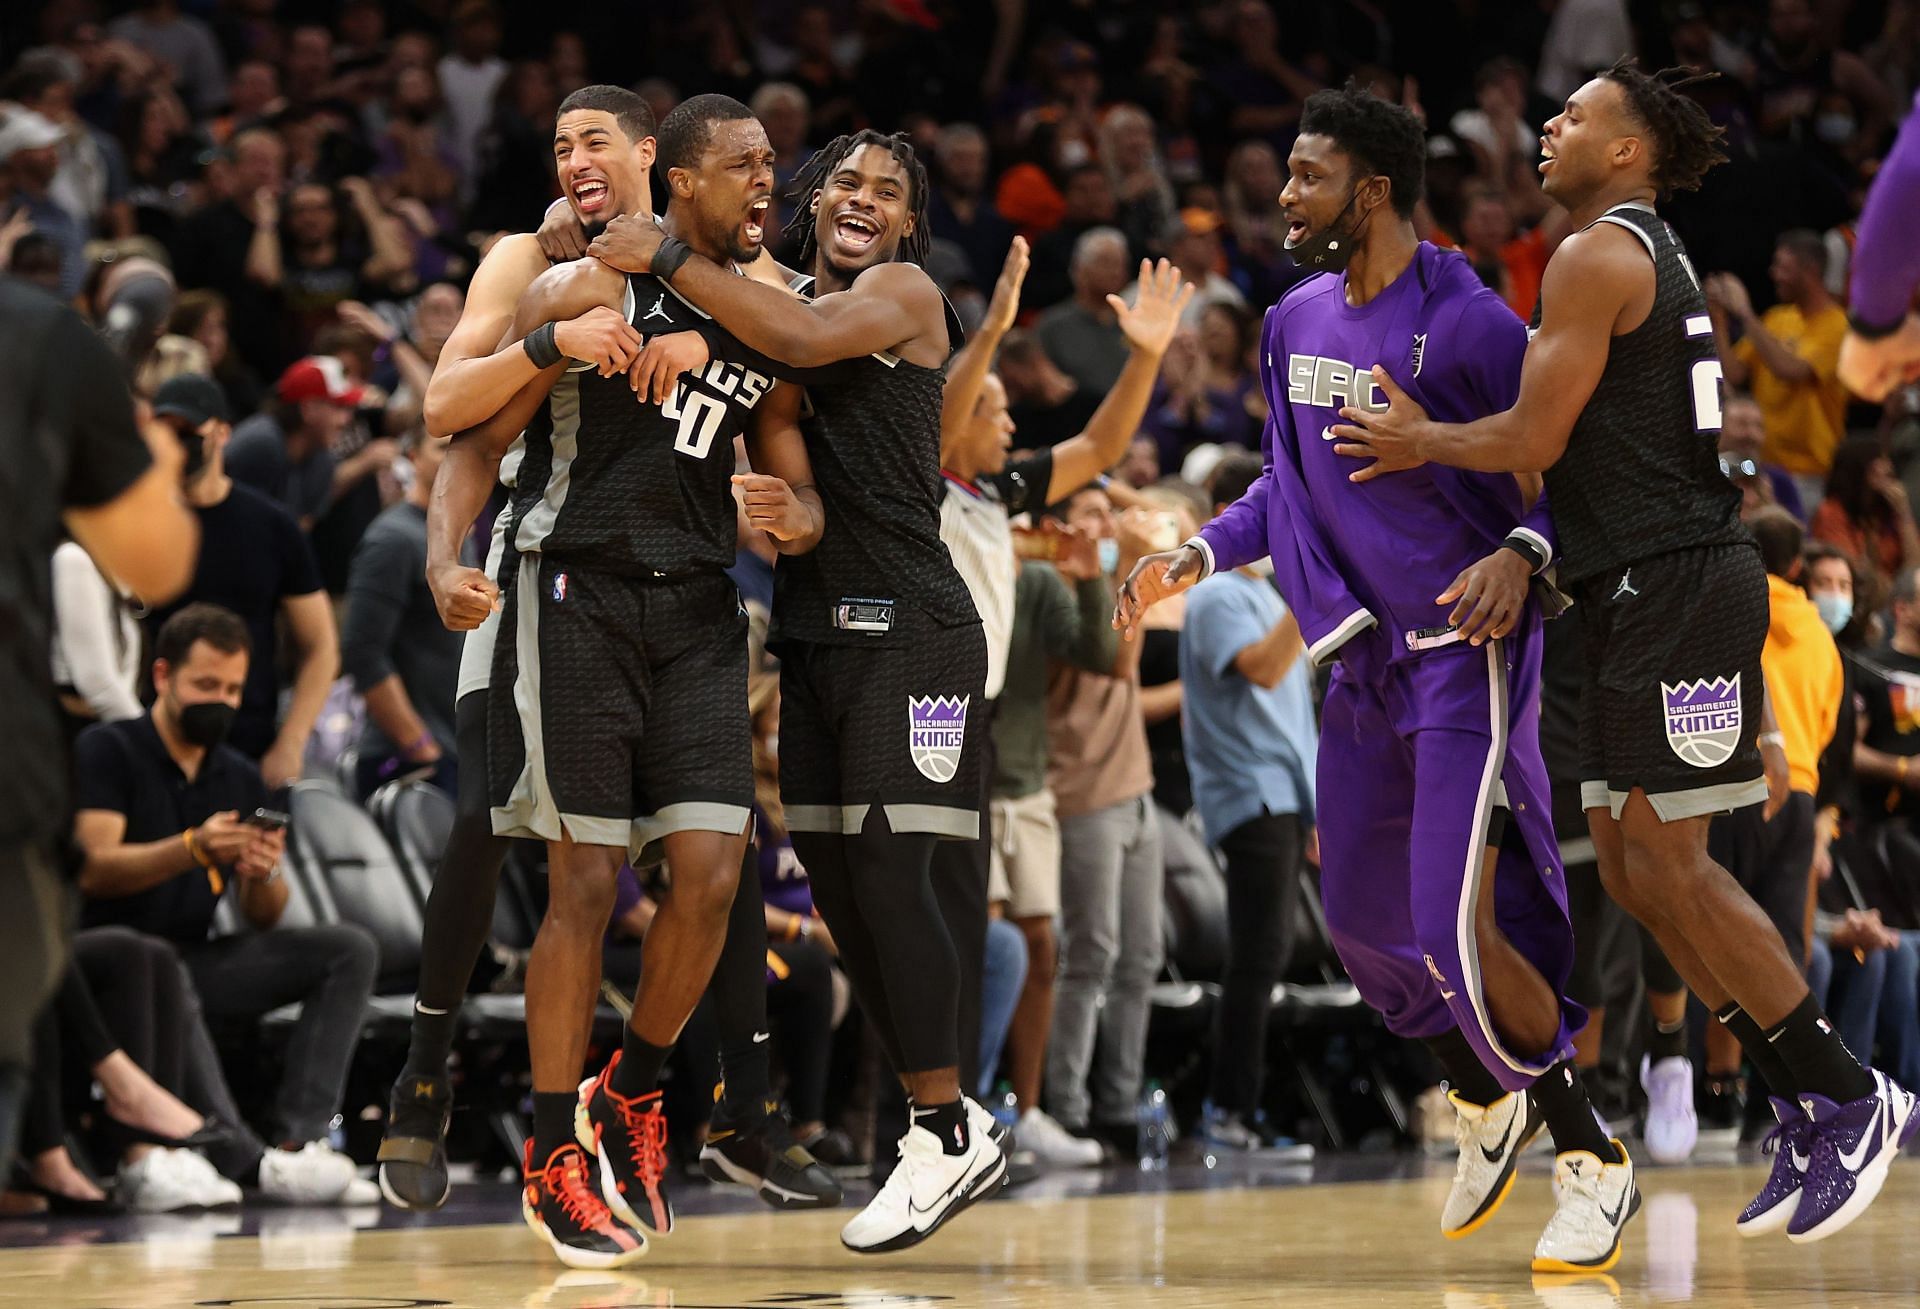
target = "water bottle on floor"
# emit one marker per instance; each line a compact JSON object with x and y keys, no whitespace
{"x":1154,"y":1119}
{"x":1006,"y":1106}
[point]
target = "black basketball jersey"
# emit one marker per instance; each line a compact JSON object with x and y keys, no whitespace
{"x":1641,"y":472}
{"x":613,"y":484}
{"x":873,"y":436}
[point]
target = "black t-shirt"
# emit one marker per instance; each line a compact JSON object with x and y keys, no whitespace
{"x":67,"y":440}
{"x":252,"y":556}
{"x":1888,"y":684}
{"x":124,"y":767}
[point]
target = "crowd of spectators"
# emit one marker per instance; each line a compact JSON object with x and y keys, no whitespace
{"x":312,"y":192}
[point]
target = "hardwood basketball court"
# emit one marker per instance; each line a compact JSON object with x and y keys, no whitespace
{"x":1261,"y":1237}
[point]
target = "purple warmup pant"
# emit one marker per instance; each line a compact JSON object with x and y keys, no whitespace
{"x":1413,"y":766}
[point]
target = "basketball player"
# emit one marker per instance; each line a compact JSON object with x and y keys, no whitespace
{"x":1441,"y":875}
{"x":623,"y":688}
{"x":1619,"y":405}
{"x":471,"y":383}
{"x":883,"y":664}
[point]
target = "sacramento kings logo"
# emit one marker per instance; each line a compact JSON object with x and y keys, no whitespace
{"x":1703,"y":719}
{"x":936,"y":731}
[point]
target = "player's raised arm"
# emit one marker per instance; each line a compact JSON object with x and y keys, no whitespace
{"x":482,"y":365}
{"x":1597,"y":281}
{"x":886,"y":305}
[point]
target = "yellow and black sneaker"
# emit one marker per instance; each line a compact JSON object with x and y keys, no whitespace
{"x":413,"y":1151}
{"x":761,"y":1154}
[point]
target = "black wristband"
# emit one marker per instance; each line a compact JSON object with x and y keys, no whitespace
{"x":541,"y":348}
{"x":1527,"y":550}
{"x":667,"y":260}
{"x":1873,"y":331}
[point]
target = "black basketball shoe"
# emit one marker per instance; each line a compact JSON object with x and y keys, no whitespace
{"x":762,"y":1155}
{"x":413,"y":1150}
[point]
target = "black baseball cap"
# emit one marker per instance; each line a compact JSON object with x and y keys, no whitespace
{"x":191,"y":396}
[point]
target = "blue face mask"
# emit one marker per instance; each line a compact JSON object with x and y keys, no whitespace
{"x":1109,"y":556}
{"x":1836,"y":611}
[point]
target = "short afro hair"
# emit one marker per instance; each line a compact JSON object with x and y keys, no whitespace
{"x":1383,"y":139}
{"x":685,"y":132}
{"x":628,"y":109}
{"x":1686,"y":143}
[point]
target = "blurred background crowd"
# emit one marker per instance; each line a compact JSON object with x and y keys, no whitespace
{"x":276,"y":206}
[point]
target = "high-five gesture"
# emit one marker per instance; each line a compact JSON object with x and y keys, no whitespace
{"x":1151,"y":319}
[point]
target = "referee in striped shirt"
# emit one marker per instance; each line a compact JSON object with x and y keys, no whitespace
{"x":984,"y":490}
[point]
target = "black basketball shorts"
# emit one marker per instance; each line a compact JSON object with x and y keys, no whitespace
{"x":617,"y":712}
{"x":1673,"y":691}
{"x":898,"y":726}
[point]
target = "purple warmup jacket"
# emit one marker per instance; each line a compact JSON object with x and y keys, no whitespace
{"x":1352,"y":556}
{"x":1886,"y":257}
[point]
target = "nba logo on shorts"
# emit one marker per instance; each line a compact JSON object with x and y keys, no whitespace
{"x":1703,"y":719}
{"x":559,"y":587}
{"x":936,"y":731}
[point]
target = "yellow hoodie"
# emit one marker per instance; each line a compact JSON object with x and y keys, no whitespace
{"x":1804,"y":679}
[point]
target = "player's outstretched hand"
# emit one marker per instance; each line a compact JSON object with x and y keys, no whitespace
{"x":561,"y":236}
{"x":628,"y":243}
{"x":1488,"y":596}
{"x":656,"y":370}
{"x":601,"y":337}
{"x":464,"y":596}
{"x":1149,"y":322}
{"x":1871,"y":369}
{"x":1152,"y":580}
{"x":772,"y":507}
{"x":1389,"y":437}
{"x":1005,"y":305}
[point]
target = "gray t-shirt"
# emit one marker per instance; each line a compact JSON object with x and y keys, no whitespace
{"x":392,"y":627}
{"x":1086,"y":349}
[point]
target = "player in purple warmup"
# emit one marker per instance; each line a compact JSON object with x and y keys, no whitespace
{"x":1442,"y":878}
{"x":1619,"y":406}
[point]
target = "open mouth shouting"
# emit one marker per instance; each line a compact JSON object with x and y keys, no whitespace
{"x":591,"y":195}
{"x":1546,"y":150}
{"x":755,"y":229}
{"x":855,"y":233}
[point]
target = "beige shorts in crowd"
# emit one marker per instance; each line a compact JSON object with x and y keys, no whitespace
{"x":1025,"y":855}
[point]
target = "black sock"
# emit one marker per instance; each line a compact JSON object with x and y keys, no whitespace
{"x":744,"y":1079}
{"x":1668,"y":1042}
{"x":638,"y":1072}
{"x":1467,"y":1077}
{"x":1816,"y":1056}
{"x":251,"y":1178}
{"x":1773,"y":1070}
{"x":429,"y":1043}
{"x":1562,"y":1097}
{"x":948,"y":1122}
{"x":552,"y":1123}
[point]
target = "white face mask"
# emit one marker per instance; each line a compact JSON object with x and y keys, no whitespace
{"x":1109,"y":556}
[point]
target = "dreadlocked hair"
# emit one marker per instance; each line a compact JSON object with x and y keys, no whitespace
{"x":808,"y":182}
{"x":1686,"y":143}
